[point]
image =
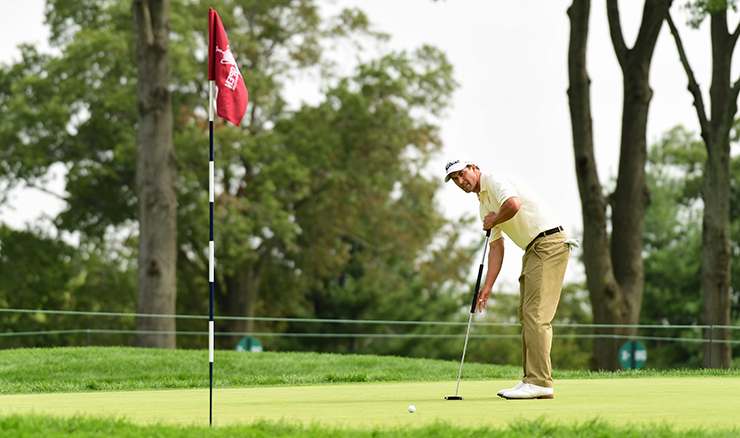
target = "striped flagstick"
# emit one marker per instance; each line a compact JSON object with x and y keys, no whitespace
{"x":231,"y":104}
{"x":211,"y":248}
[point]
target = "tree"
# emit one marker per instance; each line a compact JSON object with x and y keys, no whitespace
{"x":341,"y":188}
{"x":376,"y":212}
{"x":310,"y":202}
{"x":79,"y":109}
{"x":715,"y":131}
{"x":156,"y":174}
{"x":613,"y":264}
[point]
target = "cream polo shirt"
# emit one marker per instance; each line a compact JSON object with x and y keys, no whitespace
{"x":533,"y":217}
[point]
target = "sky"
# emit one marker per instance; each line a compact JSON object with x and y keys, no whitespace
{"x":510,"y":112}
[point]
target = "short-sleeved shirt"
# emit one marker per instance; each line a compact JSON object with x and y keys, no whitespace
{"x":533,"y":217}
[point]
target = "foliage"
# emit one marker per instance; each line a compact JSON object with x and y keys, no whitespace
{"x":673,"y":244}
{"x":41,"y":272}
{"x":700,"y":9}
{"x":673,"y":233}
{"x":320,"y":211}
{"x":77,"y":109}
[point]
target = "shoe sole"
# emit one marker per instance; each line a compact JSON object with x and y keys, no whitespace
{"x":548,"y":396}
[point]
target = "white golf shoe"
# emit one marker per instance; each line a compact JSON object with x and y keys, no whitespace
{"x":518,"y":385}
{"x":527,"y":392}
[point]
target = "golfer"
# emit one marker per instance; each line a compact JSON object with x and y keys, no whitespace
{"x":508,"y":205}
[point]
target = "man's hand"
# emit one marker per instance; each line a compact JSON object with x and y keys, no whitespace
{"x":483,"y":294}
{"x":488,"y":221}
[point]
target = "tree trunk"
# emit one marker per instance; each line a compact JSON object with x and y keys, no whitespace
{"x":596,"y":256}
{"x":628,"y":204}
{"x":240,"y":299}
{"x":631,"y":196}
{"x":614,"y":273}
{"x":716,"y":255}
{"x":156,"y":175}
{"x":716,"y":252}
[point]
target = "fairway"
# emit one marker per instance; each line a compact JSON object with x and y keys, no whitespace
{"x":680,"y":402}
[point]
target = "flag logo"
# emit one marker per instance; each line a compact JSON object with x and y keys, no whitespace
{"x":232,"y":80}
{"x":228,"y":57}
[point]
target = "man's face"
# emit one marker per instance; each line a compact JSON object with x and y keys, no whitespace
{"x":466,"y":179}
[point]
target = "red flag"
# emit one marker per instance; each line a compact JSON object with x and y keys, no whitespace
{"x":231,"y":103}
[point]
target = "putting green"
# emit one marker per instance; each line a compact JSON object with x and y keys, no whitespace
{"x":710,"y":402}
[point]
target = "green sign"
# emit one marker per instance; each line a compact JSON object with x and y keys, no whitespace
{"x":633,"y":355}
{"x":250,"y":345}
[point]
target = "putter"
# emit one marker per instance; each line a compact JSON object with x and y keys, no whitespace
{"x":472,"y":311}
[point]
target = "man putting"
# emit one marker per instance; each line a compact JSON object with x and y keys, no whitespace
{"x":509,"y":205}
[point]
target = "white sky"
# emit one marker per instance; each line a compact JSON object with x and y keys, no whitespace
{"x":511,"y":110}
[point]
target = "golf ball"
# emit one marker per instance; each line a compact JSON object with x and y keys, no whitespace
{"x":412,"y":409}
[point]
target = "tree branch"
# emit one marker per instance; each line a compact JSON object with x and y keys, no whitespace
{"x":730,"y":112}
{"x":365,"y":244}
{"x":147,"y":15}
{"x":49,"y":192}
{"x":734,"y":36}
{"x":615,"y":30}
{"x":693,"y":85}
{"x":143,"y":15}
{"x":653,"y":15}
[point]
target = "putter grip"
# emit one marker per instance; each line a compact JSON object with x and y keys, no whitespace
{"x":480,"y":274}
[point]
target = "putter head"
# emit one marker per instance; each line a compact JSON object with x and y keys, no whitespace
{"x":453,"y":397}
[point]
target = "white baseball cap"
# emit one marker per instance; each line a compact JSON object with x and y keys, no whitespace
{"x":455,"y":165}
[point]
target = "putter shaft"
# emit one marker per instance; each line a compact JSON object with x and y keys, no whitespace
{"x":465,"y":347}
{"x":470,"y":320}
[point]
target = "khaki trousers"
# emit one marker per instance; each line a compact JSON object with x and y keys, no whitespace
{"x":543,"y":270}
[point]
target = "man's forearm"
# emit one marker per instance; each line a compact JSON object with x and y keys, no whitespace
{"x":495,"y":261}
{"x":508,"y":210}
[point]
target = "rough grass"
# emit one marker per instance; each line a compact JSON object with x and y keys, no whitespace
{"x":47,"y":370}
{"x":43,"y":426}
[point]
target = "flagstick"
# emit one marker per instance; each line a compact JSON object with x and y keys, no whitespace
{"x":211,"y":247}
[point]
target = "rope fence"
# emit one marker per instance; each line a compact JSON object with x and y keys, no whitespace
{"x":359,"y":321}
{"x":616,"y":337}
{"x":350,"y":335}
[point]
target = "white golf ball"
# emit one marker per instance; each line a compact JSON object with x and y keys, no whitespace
{"x":412,"y":409}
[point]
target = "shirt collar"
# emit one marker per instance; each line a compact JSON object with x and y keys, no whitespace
{"x":482,"y":181}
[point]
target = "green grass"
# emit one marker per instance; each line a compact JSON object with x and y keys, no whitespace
{"x":27,"y":371}
{"x":42,"y":426}
{"x":64,"y":392}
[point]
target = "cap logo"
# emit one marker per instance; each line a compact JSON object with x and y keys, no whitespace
{"x":450,"y":164}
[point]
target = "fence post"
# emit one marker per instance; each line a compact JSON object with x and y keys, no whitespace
{"x":711,"y":338}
